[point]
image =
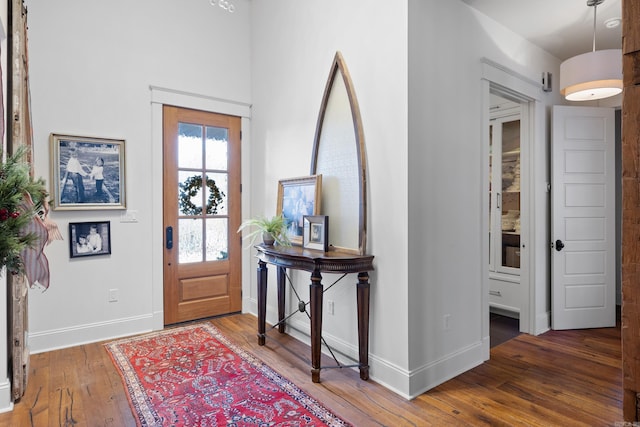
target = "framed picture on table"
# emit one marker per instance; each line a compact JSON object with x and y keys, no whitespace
{"x":316,"y":232}
{"x":298,"y":197}
{"x":87,"y":173}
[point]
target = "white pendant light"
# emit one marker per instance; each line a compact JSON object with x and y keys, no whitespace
{"x":592,"y":75}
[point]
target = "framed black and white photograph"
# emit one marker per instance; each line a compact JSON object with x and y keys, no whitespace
{"x":87,"y":173}
{"x":298,"y":197}
{"x":89,"y":238}
{"x":316,"y":232}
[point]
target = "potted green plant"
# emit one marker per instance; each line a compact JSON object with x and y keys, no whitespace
{"x":273,"y":230}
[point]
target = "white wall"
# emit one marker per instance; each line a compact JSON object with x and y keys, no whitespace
{"x":91,"y":65}
{"x":293,"y":45}
{"x":447,"y":42}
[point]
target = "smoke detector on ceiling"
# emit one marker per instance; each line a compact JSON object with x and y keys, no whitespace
{"x":612,"y":22}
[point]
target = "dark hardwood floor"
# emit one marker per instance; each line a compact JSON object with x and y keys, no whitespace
{"x":502,"y":328}
{"x":560,"y":378}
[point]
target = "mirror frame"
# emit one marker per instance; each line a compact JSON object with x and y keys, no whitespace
{"x":339,"y":67}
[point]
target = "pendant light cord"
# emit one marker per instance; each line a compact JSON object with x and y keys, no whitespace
{"x":595,"y":4}
{"x":595,"y":9}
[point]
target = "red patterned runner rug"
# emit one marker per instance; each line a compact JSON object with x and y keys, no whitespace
{"x":194,"y":376}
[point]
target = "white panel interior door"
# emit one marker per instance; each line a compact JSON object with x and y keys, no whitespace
{"x":583,"y":218}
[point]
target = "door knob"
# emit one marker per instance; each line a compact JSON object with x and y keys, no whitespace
{"x":559,"y":245}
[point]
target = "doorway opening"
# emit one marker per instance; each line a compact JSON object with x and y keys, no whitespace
{"x":505,"y":225}
{"x":509,"y":140}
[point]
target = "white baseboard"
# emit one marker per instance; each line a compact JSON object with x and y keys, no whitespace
{"x":486,"y":347}
{"x":6,"y":403}
{"x":83,"y":334}
{"x":407,"y":384}
{"x":345,"y":352}
{"x":381,"y":371}
{"x":158,"y":320}
{"x":250,"y":305}
{"x":543,"y":323}
{"x":450,"y":366}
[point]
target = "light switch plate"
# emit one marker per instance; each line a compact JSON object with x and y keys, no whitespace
{"x":129,"y":216}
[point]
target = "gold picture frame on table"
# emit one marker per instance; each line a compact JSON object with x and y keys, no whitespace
{"x":298,"y":197}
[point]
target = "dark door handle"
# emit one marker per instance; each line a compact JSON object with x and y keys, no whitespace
{"x":169,"y":237}
{"x":559,"y":245}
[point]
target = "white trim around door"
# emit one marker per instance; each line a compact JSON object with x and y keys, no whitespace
{"x":158,"y":97}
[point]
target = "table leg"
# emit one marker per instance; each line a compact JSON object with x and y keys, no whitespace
{"x":363,"y":323}
{"x":282,"y":273}
{"x":262,"y":300}
{"x":315,"y":294}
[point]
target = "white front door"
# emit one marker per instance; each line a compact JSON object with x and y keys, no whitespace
{"x":583,"y":218}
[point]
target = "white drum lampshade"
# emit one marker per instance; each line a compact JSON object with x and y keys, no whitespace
{"x":592,"y":75}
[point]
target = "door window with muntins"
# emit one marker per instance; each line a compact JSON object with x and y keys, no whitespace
{"x":202,"y":190}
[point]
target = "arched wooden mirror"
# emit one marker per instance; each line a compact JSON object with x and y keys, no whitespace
{"x":339,"y":155}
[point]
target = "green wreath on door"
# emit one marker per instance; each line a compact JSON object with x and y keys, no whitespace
{"x":190,"y":188}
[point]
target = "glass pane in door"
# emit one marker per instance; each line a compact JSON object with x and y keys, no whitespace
{"x":216,"y":193}
{"x":190,"y":241}
{"x":216,"y":148}
{"x":491,"y":219}
{"x":217,"y":238}
{"x":511,"y":194}
{"x":190,"y":194}
{"x":189,"y":146}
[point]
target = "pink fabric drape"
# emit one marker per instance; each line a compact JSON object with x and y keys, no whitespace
{"x":36,"y":265}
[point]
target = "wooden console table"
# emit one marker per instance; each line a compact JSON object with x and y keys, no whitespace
{"x":315,"y":262}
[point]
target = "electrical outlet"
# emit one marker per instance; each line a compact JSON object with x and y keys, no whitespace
{"x":446,"y":322}
{"x":330,"y":307}
{"x":113,"y":295}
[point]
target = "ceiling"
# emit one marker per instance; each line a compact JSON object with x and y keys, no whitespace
{"x":563,"y":28}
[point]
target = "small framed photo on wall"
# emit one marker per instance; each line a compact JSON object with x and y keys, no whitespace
{"x":87,"y":173}
{"x":316,"y":232}
{"x":89,"y":238}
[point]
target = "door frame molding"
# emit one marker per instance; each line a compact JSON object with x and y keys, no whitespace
{"x":160,"y":96}
{"x":511,"y":84}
